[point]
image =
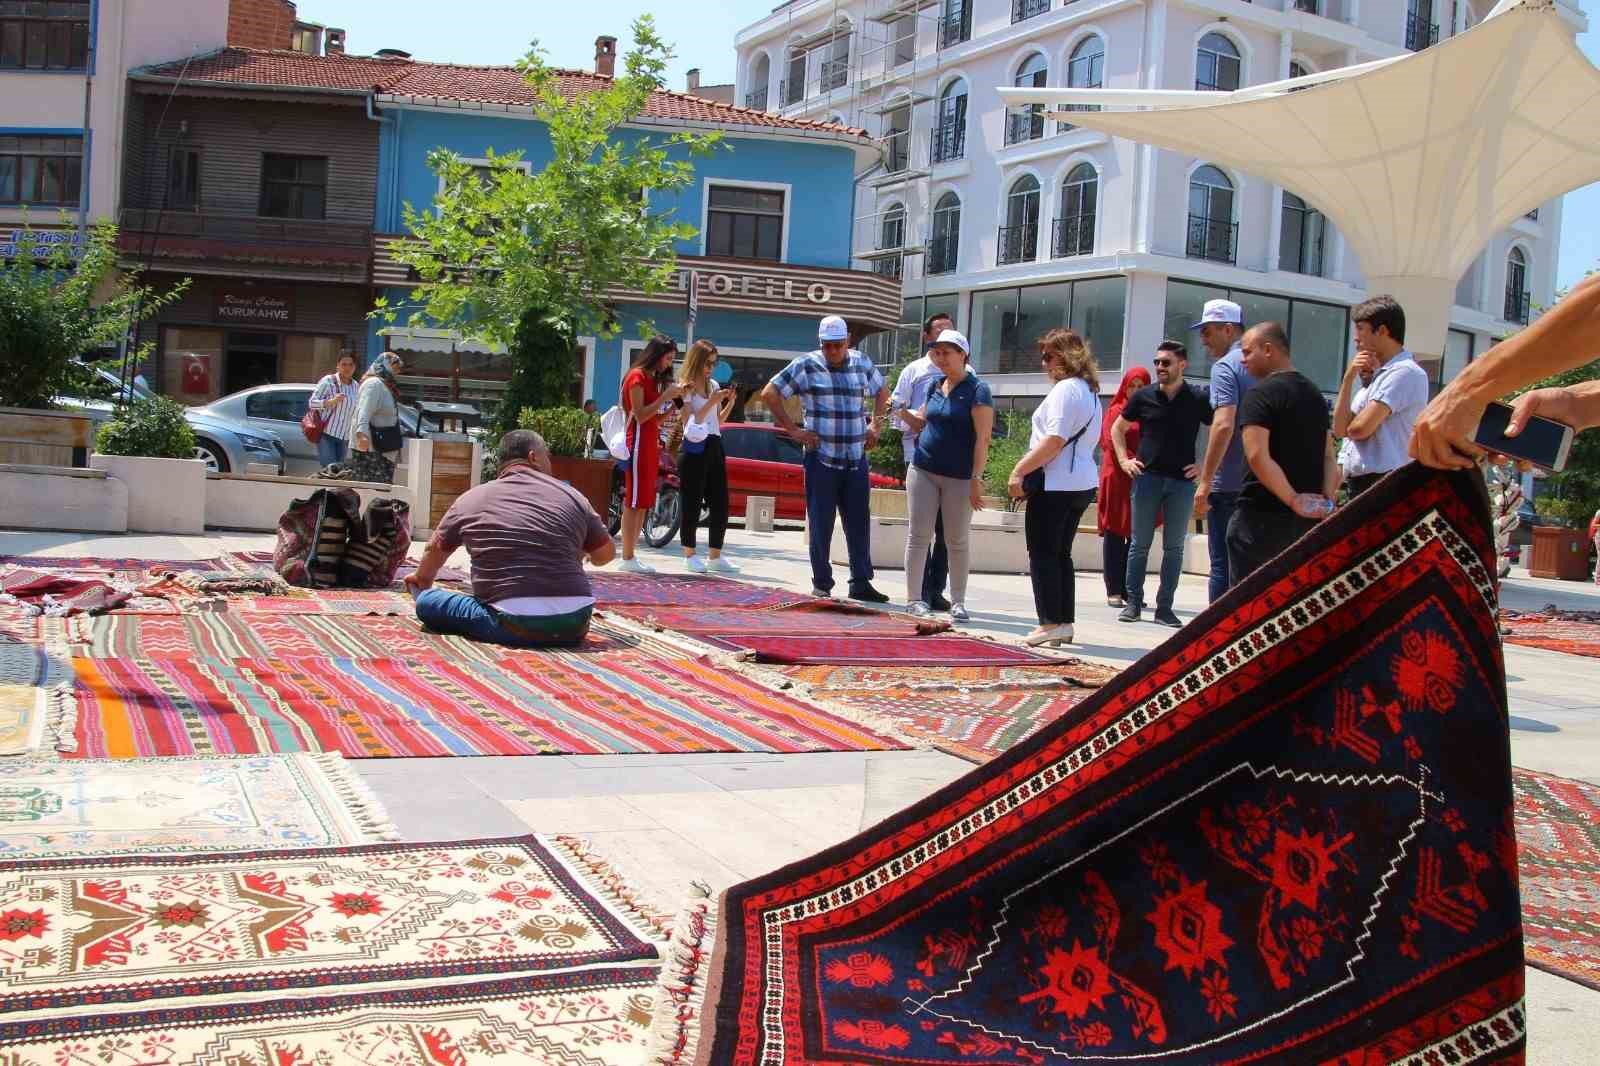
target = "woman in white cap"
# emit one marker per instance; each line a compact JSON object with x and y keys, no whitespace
{"x":946,"y":475}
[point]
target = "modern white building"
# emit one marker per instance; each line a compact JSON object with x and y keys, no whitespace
{"x":1016,"y":223}
{"x":63,"y":89}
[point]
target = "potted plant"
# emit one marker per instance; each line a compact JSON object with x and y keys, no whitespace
{"x":568,"y":432}
{"x":150,"y":447}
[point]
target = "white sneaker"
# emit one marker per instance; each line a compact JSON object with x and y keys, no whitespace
{"x":633,"y":566}
{"x":720,"y":565}
{"x":1062,"y":635}
{"x":919,"y":609}
{"x":958,"y":613}
{"x":695,"y":565}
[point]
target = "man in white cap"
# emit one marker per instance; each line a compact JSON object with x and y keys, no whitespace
{"x":1221,"y":326}
{"x":833,"y":383}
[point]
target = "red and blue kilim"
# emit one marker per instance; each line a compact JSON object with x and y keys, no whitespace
{"x":1283,"y":836}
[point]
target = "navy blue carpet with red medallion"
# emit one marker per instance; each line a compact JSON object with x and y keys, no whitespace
{"x":1283,"y":836}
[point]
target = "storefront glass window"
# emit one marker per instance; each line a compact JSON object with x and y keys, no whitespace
{"x":1185,"y":301}
{"x":1099,"y":312}
{"x":308,"y":358}
{"x":191,"y":364}
{"x":1041,"y":309}
{"x":994,"y":329}
{"x":1259,"y":307}
{"x":1006,"y":323}
{"x":1317,"y":333}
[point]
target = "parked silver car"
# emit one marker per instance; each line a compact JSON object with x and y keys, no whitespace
{"x":277,"y":409}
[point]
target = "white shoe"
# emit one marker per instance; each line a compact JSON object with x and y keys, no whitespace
{"x":695,"y":565}
{"x":919,"y":609}
{"x":720,"y":565}
{"x":1061,"y":635}
{"x":822,"y":594}
{"x":633,"y":566}
{"x":958,"y":613}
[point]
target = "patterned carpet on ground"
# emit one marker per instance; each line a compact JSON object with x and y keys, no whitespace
{"x":1558,"y":845}
{"x":674,"y":590}
{"x":1574,"y":632}
{"x":81,"y":807}
{"x":823,"y":617}
{"x":390,"y":953}
{"x":870,"y":650}
{"x":1285,"y":834}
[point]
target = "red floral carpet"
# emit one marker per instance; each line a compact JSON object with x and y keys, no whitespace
{"x":1284,"y":835}
{"x":1574,"y":632}
{"x":1558,"y":847}
{"x":869,"y":650}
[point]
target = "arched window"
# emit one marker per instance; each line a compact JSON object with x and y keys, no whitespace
{"x":1301,"y":237}
{"x":1074,"y":230}
{"x":950,"y":136}
{"x":955,"y":22}
{"x":944,"y":243}
{"x":1517,"y":299}
{"x":1086,"y":69}
{"x":760,"y":75}
{"x":1211,"y":227}
{"x":1027,"y":123}
{"x":1216,"y":64}
{"x":1019,"y":237}
{"x":891,"y":235}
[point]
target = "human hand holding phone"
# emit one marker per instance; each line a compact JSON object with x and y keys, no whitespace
{"x":1521,"y":434}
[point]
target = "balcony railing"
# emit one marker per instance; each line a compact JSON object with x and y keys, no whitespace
{"x":1018,"y":244}
{"x":949,"y":141}
{"x":756,"y":101}
{"x":941,"y":258}
{"x":1517,"y":307}
{"x":1026,"y":125}
{"x":955,"y":26}
{"x":1215,"y":239}
{"x":249,"y":229}
{"x":1421,"y":32}
{"x":1026,"y":9}
{"x":892,"y":267}
{"x":1072,"y":235}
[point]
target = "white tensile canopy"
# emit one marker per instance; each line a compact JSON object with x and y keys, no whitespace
{"x":1418,"y":160}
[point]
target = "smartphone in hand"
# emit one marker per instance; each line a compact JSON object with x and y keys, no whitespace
{"x":1543,"y":442}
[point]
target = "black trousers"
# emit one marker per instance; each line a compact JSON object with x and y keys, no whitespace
{"x":1114,"y":553}
{"x":1255,"y":537}
{"x":1050,"y":523}
{"x":1361,"y":483}
{"x":703,"y":478}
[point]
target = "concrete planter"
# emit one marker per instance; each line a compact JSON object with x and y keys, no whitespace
{"x":164,"y":495}
{"x":255,"y":502}
{"x":60,"y":497}
{"x":592,"y":477}
{"x":45,"y":438}
{"x":892,"y":503}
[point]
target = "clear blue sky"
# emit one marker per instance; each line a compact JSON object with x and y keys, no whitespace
{"x":701,"y":34}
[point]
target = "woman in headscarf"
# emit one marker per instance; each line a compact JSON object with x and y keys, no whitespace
{"x":376,"y":440}
{"x":1114,"y":515}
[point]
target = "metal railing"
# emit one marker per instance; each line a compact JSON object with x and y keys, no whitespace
{"x":1215,"y":239}
{"x":250,"y":228}
{"x":1421,"y":32}
{"x":756,"y":101}
{"x":1027,"y":9}
{"x":949,"y":141}
{"x":835,"y":72}
{"x":1018,"y":244}
{"x":955,"y":26}
{"x":941,"y":257}
{"x":1518,"y":305}
{"x":1026,"y":125}
{"x":1072,"y":235}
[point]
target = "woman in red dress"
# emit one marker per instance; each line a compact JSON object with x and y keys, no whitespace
{"x":646,"y":391}
{"x":1114,"y":513}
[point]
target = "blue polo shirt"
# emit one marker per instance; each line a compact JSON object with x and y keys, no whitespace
{"x":945,"y":446}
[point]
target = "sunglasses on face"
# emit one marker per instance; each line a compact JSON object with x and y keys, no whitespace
{"x":1164,"y":362}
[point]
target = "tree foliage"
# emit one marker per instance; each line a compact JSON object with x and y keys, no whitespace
{"x":154,"y":427}
{"x":1574,"y":493}
{"x":55,"y":310}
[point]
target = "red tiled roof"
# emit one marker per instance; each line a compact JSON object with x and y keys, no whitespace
{"x":446,"y":81}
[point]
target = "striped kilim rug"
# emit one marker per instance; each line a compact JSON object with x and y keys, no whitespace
{"x":497,"y":950}
{"x":1558,"y":850}
{"x":1573,"y":632}
{"x":941,"y":649}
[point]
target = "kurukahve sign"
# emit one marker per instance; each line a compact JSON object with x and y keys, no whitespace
{"x":255,"y":307}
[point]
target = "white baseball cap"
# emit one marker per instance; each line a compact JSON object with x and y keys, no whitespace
{"x":950,"y":336}
{"x":1220,"y":311}
{"x":833,"y":328}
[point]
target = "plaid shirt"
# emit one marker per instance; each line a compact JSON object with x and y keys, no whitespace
{"x":835,"y":402}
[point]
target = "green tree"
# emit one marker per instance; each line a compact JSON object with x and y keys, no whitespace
{"x":501,"y":245}
{"x":1575,"y":491}
{"x":55,"y":310}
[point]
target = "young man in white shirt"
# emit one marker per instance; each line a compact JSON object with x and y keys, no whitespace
{"x":910,"y":393}
{"x":1375,"y":422}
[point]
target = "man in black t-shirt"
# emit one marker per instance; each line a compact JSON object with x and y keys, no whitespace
{"x":1169,"y":415}
{"x":1290,"y":472}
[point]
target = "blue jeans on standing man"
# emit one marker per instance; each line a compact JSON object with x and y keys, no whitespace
{"x":1222,"y":505}
{"x":331,"y":450}
{"x":830,"y":490}
{"x":1173,"y":499}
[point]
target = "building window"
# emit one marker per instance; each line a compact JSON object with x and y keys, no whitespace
{"x":1074,"y":229}
{"x":1301,"y":239}
{"x":950,"y":136}
{"x":1212,"y":231}
{"x":904,"y":34}
{"x":1027,"y":123}
{"x":1318,"y":332}
{"x":1216,"y":65}
{"x":1517,"y":298}
{"x":1085,"y":70}
{"x":1421,"y":29}
{"x":183,"y":180}
{"x":897,"y":140}
{"x":1005,"y":324}
{"x":944,"y":243}
{"x":955,"y":23}
{"x":1022,"y":10}
{"x":41,"y":171}
{"x":1310,"y":7}
{"x":1019,"y":237}
{"x":760,"y":75}
{"x":744,"y":223}
{"x":793,"y":88}
{"x":44,"y":35}
{"x":294,"y":186}
{"x":891,"y":235}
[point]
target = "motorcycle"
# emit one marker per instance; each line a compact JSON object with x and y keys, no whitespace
{"x":662,"y":520}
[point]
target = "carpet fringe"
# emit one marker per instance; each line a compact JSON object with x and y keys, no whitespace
{"x":357,"y":799}
{"x":680,"y":991}
{"x":610,"y":884}
{"x":60,"y":717}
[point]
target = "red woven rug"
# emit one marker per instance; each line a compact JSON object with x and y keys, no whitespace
{"x":1284,"y":835}
{"x":802,"y":620}
{"x":1574,"y":632}
{"x":877,"y":650}
{"x":1558,"y":848}
{"x":673,"y":590}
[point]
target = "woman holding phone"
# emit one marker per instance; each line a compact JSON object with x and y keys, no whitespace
{"x":702,"y":464}
{"x":646,"y":391}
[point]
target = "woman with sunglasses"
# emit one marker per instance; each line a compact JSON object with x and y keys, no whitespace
{"x":646,"y":391}
{"x":702,"y":465}
{"x":1058,"y":476}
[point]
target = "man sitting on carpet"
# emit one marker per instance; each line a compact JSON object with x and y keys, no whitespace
{"x":528,"y":535}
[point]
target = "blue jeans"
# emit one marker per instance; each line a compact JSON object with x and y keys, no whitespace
{"x":445,"y":611}
{"x":1222,"y":505}
{"x":1173,"y":499}
{"x":831,"y":491}
{"x":331,"y":450}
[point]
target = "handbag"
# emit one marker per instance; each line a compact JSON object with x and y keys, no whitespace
{"x":386,"y":438}
{"x":311,"y":425}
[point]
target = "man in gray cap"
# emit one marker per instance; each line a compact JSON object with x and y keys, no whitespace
{"x":1221,"y":326}
{"x":833,"y":383}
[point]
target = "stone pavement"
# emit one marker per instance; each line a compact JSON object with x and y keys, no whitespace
{"x":668,"y":820}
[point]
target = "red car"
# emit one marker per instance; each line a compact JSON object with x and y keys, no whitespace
{"x":764,"y":461}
